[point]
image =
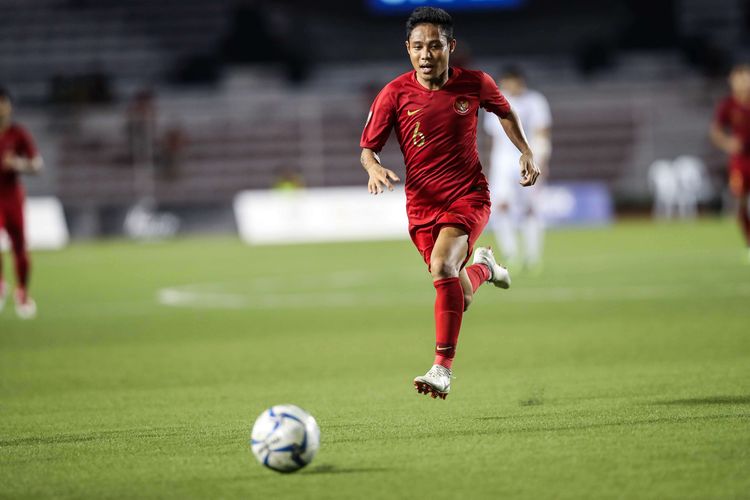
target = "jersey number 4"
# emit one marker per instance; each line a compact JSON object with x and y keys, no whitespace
{"x":417,"y":138}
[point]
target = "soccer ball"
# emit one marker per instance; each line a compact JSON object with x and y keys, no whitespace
{"x":285,"y":438}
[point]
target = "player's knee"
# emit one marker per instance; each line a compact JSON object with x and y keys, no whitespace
{"x":442,"y":269}
{"x":468,"y":297}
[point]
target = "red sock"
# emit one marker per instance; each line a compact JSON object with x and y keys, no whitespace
{"x":23,"y":266}
{"x":449,"y":310}
{"x":745,"y":223}
{"x":478,"y":274}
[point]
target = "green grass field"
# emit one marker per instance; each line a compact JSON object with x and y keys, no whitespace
{"x":622,"y":371}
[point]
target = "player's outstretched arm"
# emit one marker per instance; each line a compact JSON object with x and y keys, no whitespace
{"x":380,"y":177}
{"x":513,"y":129}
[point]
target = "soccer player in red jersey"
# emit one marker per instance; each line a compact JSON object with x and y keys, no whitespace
{"x":730,"y":132}
{"x":18,"y":155}
{"x":433,"y":110}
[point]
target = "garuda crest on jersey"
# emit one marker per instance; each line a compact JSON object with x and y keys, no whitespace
{"x":461,"y":105}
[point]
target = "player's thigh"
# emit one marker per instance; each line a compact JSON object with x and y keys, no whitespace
{"x":449,"y":252}
{"x":13,"y":221}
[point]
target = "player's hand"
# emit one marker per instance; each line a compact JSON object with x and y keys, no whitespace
{"x":529,"y":170}
{"x":10,"y":162}
{"x":734,"y":145}
{"x":736,"y":183}
{"x":380,"y":178}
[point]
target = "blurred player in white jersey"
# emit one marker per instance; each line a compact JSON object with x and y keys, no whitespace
{"x":517,"y":210}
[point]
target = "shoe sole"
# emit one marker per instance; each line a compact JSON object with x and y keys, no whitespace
{"x":425,"y":388}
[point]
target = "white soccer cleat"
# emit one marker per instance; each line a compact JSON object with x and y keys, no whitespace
{"x":499,"y":276}
{"x":25,"y":309}
{"x":436,"y":382}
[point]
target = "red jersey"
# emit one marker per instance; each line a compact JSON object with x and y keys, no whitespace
{"x":733,"y":115}
{"x":15,"y":139}
{"x":437,"y":132}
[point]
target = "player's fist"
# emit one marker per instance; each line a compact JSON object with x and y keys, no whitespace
{"x":380,"y":178}
{"x":529,"y":170}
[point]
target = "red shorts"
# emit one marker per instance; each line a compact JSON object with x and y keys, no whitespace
{"x":470,"y":213}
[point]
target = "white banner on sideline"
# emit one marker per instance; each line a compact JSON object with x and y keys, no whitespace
{"x":352,"y":214}
{"x":45,"y":225}
{"x":320,"y":214}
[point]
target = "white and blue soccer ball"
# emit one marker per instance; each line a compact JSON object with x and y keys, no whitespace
{"x":285,"y":438}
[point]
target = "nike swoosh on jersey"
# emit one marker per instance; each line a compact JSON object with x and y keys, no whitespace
{"x":409,"y":113}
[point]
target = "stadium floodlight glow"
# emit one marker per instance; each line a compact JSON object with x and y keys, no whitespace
{"x":452,"y":5}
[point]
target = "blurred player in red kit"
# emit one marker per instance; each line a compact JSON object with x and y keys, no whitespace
{"x":730,"y":132}
{"x":18,"y":155}
{"x":433,"y":111}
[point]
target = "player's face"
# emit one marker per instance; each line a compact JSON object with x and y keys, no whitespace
{"x":429,"y":51}
{"x":739,"y":80}
{"x":6,"y":109}
{"x":513,"y":86}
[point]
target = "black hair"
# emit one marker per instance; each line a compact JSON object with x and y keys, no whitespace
{"x":430,"y":15}
{"x":5,"y":93}
{"x":514,"y":72}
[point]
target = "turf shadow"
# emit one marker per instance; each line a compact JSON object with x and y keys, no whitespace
{"x":332,"y":469}
{"x":710,"y":400}
{"x":93,"y":436}
{"x":491,"y":430}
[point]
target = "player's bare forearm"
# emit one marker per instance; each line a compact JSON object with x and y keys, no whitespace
{"x":380,"y":177}
{"x":724,"y":141}
{"x":514,"y":130}
{"x":23,"y":165}
{"x":369,"y":159}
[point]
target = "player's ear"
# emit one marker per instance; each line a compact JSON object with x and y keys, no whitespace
{"x":407,"y":46}
{"x":452,"y":45}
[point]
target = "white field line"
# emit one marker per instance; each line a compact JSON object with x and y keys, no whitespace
{"x":219,"y":296}
{"x":211,"y":296}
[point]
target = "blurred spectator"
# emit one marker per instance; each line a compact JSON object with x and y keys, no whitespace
{"x":172,"y":149}
{"x":141,"y":127}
